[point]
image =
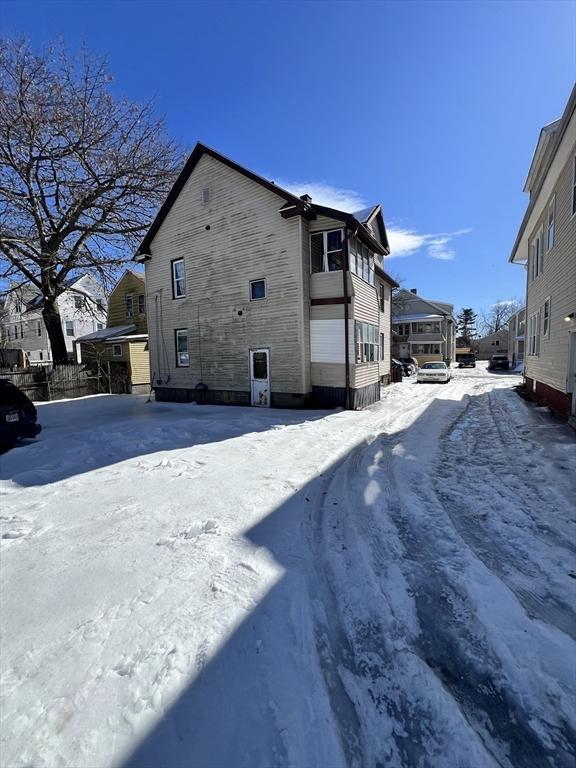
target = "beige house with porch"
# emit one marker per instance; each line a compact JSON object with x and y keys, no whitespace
{"x":546,"y":247}
{"x":424,"y":329}
{"x":258,"y":296}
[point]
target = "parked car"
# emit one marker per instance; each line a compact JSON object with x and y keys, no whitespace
{"x":18,"y":415}
{"x":466,"y":360}
{"x":434,"y":372}
{"x":410,"y":365}
{"x":499,"y":361}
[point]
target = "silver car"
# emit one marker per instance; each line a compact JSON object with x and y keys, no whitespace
{"x":436,"y":372}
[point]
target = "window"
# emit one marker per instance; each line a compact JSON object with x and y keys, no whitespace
{"x":15,"y":331}
{"x":574,"y":186}
{"x":546,"y":319}
{"x":433,"y":327}
{"x":99,"y":305}
{"x":129,"y":302}
{"x":141,"y":304}
{"x":425,"y":349}
{"x":326,"y":253}
{"x":367,"y":343}
{"x":117,"y":350}
{"x":382,"y":297}
{"x":99,"y":326}
{"x":550,"y":225}
{"x":78,"y":302}
{"x":361,"y":260}
{"x":40,"y":355}
{"x":178,"y":279}
{"x":402,"y":329}
{"x":534,"y":334}
{"x":38,"y":328}
{"x":182,"y":357}
{"x":69,"y":328}
{"x":536,"y":256}
{"x":257,"y":290}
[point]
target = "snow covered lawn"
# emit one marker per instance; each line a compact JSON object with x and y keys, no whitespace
{"x":191,"y":586}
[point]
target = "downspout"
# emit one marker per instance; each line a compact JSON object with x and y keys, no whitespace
{"x":345,"y":268}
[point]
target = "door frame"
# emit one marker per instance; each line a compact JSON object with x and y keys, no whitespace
{"x":250,"y":367}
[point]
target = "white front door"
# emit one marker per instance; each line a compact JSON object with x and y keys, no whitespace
{"x":260,"y":377}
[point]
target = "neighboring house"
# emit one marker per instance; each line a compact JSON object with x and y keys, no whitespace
{"x":493,"y":344}
{"x":121,"y":349}
{"x":82,"y":308}
{"x":257,"y":296}
{"x":423,"y":328}
{"x":516,"y":332}
{"x":546,"y":246}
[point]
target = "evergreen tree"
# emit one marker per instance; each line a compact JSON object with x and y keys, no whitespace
{"x":466,"y":326}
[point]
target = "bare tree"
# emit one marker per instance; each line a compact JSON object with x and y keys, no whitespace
{"x":497,"y":316}
{"x":81,"y":173}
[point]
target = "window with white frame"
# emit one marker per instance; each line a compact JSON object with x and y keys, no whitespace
{"x":425,"y":349}
{"x":546,"y":319}
{"x":69,"y":327}
{"x":129,"y":304}
{"x":182,"y":356}
{"x":431,"y":327}
{"x":178,"y":279}
{"x":117,"y":350}
{"x":361,"y":260}
{"x":257,"y":290}
{"x":536,"y":256}
{"x":367,"y":339}
{"x":550,"y":224}
{"x":141,"y":304}
{"x":99,"y":326}
{"x":326,"y":254}
{"x":534,"y":334}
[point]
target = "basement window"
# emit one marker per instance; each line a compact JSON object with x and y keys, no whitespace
{"x":257,"y":290}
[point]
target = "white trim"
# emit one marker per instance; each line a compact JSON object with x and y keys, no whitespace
{"x":325,"y":233}
{"x":546,"y":333}
{"x":178,"y":353}
{"x":175,"y":280}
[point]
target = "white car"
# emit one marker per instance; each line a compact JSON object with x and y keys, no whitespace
{"x":434,"y":372}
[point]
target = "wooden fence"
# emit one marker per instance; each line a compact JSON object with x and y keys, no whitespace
{"x":58,"y":382}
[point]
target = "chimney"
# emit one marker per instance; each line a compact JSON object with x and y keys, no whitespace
{"x":306,"y":198}
{"x":414,"y":291}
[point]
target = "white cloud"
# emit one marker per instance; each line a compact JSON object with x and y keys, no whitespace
{"x":326,"y":194}
{"x":403,"y":241}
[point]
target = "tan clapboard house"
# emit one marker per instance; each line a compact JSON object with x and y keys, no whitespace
{"x":258,"y":296}
{"x":546,"y":247}
{"x":121,"y":349}
{"x":424,"y":329}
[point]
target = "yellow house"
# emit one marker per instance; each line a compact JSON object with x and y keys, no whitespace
{"x":119,"y":352}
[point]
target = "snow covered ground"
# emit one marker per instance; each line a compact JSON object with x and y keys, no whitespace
{"x":188,"y":586}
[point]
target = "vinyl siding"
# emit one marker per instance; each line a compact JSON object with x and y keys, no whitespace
{"x":327,"y":312}
{"x":327,"y":341}
{"x":364,"y":302}
{"x":139,"y":362}
{"x":247,"y":240}
{"x":328,"y":285}
{"x":322,"y":223}
{"x":328,"y":374}
{"x":129,"y":283}
{"x":557,"y":281}
{"x":364,"y":374}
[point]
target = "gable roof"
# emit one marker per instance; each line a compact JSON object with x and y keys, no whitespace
{"x":441,"y":307}
{"x":294,"y":205}
{"x":198,"y":151}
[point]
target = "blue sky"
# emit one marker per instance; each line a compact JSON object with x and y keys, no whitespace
{"x":431,"y":108}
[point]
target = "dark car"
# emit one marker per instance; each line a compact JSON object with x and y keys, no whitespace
{"x":397,"y":370}
{"x":409,"y":364}
{"x":499,"y":362}
{"x":466,"y":360}
{"x":17,"y":415}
